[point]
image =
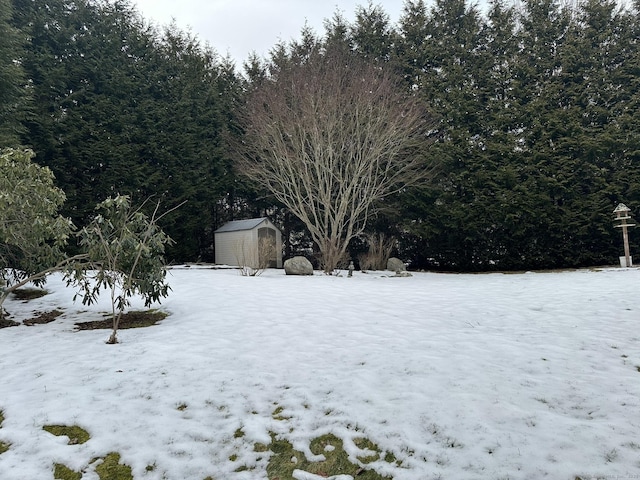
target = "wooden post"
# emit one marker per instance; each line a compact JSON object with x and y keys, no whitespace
{"x":625,"y":239}
{"x":622,"y":215}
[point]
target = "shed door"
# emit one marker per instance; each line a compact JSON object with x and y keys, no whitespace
{"x":267,"y":247}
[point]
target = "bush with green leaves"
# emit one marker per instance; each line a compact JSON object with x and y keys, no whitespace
{"x":124,"y":251}
{"x":32,"y":233}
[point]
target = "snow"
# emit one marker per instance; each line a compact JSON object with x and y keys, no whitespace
{"x":496,"y":376}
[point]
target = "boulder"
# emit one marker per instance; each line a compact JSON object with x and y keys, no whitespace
{"x":298,"y":266}
{"x":396,"y":265}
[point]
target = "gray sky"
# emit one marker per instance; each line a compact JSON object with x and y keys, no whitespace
{"x":239,"y":27}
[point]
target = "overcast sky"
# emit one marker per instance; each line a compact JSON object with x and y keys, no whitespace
{"x":238,"y":27}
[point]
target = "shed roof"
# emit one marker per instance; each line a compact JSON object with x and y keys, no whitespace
{"x":238,"y":225}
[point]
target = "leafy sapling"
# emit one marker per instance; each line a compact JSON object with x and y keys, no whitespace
{"x":124,"y":249}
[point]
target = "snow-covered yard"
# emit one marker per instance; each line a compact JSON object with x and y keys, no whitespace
{"x":495,"y":376}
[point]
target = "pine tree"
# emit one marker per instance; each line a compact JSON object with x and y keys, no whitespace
{"x":440,"y":49}
{"x":372,"y":35}
{"x":123,"y":108}
{"x":13,"y":90}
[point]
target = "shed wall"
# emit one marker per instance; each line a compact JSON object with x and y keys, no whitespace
{"x":234,"y":247}
{"x":240,"y":247}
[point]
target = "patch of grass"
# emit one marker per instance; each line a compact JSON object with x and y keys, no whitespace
{"x":238,"y":433}
{"x":5,"y":322}
{"x":45,"y":317}
{"x":128,"y":320}
{"x":29,"y":293}
{"x":280,"y":464}
{"x":366,"y":444}
{"x":76,"y":434}
{"x":3,"y":446}
{"x":390,"y":458}
{"x":285,"y":459}
{"x":112,"y":469}
{"x":241,"y":468}
{"x":260,"y":448}
{"x":182,"y":406}
{"x":62,"y":472}
{"x":277,"y":414}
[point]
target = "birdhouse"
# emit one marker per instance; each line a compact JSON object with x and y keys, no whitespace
{"x":622,"y":212}
{"x":622,"y":215}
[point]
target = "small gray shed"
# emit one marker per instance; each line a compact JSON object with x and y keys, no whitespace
{"x":251,"y":243}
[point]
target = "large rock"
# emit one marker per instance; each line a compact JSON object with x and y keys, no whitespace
{"x":298,"y":266}
{"x":396,"y":265}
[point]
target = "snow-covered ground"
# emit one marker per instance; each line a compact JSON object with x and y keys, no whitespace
{"x":495,"y":376}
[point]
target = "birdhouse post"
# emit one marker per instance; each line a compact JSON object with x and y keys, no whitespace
{"x":621,"y":220}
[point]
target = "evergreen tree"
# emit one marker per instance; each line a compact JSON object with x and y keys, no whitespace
{"x":13,"y":89}
{"x":86,"y":62}
{"x":537,"y":133}
{"x":371,"y":34}
{"x":337,"y":31}
{"x":440,"y":52}
{"x":125,"y":109}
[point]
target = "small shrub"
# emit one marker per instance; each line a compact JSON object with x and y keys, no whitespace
{"x":123,"y":253}
{"x":266,"y":257}
{"x":380,"y":248}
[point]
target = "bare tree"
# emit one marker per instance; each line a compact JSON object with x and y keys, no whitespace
{"x":330,"y":135}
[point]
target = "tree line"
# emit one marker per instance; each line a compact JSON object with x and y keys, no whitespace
{"x":535,"y":109}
